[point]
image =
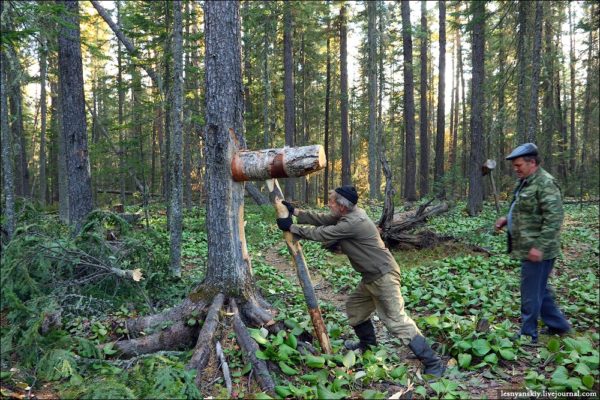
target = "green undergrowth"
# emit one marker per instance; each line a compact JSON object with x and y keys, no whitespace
{"x":468,"y":303}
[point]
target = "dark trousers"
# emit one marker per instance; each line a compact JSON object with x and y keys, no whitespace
{"x":537,"y":299}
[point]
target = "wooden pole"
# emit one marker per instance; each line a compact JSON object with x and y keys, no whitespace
{"x":295,"y":250}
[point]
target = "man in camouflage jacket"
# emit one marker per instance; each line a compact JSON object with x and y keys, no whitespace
{"x":533,"y":223}
{"x":379,"y":289}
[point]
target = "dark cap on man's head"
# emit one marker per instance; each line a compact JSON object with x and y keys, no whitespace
{"x":526,"y":149}
{"x":348,"y":192}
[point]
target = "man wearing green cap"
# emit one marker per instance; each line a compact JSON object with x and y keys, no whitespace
{"x":379,"y":289}
{"x":533,"y":221}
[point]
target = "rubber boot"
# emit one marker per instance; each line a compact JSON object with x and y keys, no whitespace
{"x":366,"y":335}
{"x":431,"y":361}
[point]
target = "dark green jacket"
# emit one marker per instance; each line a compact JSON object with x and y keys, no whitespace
{"x":358,"y":237}
{"x":537,"y":216}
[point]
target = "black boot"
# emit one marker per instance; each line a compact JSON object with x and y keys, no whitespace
{"x":366,"y":335}
{"x":431,"y":361}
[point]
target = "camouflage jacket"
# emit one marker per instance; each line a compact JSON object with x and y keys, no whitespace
{"x":537,"y":216}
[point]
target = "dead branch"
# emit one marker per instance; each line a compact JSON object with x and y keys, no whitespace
{"x":225,"y":369}
{"x":205,"y":338}
{"x":179,"y":312}
{"x":249,"y":348}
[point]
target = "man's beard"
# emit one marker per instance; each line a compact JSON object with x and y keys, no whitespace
{"x":336,"y":214}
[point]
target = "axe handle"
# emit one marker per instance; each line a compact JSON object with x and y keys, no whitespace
{"x":295,"y":250}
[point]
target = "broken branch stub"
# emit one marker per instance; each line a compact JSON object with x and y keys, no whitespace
{"x":285,"y":162}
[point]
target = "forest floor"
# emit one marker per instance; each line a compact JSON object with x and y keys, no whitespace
{"x":448,"y":290}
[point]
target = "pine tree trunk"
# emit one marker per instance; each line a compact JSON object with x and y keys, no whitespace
{"x":409,"y":105}
{"x":121,"y":93}
{"x":423,"y":115}
{"x":176,"y":158}
{"x":43,"y":112}
{"x":535,"y":73}
{"x":8,"y":178}
{"x":346,"y":179}
{"x":288,"y":89}
{"x":372,"y":94}
{"x":228,"y":264}
{"x":73,"y":110}
{"x":573,"y":133}
{"x":441,"y":109}
{"x":475,"y":200}
{"x":187,"y":115}
{"x":522,"y":61}
{"x":327,"y":105}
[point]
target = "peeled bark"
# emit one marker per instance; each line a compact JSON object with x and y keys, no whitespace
{"x":277,"y":163}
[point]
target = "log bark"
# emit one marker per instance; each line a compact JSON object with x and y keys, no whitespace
{"x":277,"y":163}
{"x":178,"y":336}
{"x":295,"y":250}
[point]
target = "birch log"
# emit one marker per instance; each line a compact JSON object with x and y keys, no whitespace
{"x":295,"y":250}
{"x":285,"y":162}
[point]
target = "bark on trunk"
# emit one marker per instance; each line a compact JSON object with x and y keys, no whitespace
{"x":409,"y":105}
{"x":346,"y":179}
{"x":441,"y":110}
{"x":423,"y":114}
{"x":74,"y":122}
{"x":372,"y":94}
{"x":8,"y":178}
{"x":475,"y":200}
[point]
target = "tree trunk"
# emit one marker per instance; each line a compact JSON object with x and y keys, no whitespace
{"x":522,"y":61}
{"x":475,"y":200}
{"x":327,"y":105}
{"x":441,"y":109}
{"x":288,"y":89}
{"x":121,"y":93}
{"x":176,"y":197}
{"x":573,"y":134}
{"x":535,"y":73}
{"x":43,"y":112}
{"x":423,"y":114}
{"x":346,"y":179}
{"x":8,"y":178}
{"x":409,"y":105}
{"x":549,"y":116}
{"x":372,"y":94}
{"x":73,"y":111}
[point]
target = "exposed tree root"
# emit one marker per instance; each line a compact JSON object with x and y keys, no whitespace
{"x":249,"y":347}
{"x":137,"y":325}
{"x":180,"y":335}
{"x":205,"y":338}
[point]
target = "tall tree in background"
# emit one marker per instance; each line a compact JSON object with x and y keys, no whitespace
{"x":346,"y":179}
{"x":573,"y":135}
{"x":522,"y":61}
{"x":423,"y":115}
{"x":327,"y":107}
{"x":43,"y":112}
{"x":120,"y":105}
{"x":475,"y":199}
{"x":8,"y":178}
{"x":441,"y":107}
{"x":372,"y":94}
{"x":535,"y":74}
{"x":409,"y":105}
{"x":74,"y":127}
{"x":176,"y":198}
{"x":288,"y":88}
